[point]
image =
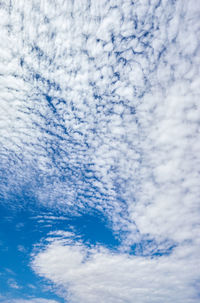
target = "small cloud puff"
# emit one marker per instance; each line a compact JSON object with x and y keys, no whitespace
{"x":13,"y":284}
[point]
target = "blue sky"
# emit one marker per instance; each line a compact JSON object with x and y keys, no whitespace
{"x":99,"y":145}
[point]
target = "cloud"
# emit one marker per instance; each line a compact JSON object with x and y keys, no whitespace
{"x":100,"y":120}
{"x":100,"y":110}
{"x":21,"y":248}
{"x":84,"y":89}
{"x":86,"y":275}
{"x":13,"y":284}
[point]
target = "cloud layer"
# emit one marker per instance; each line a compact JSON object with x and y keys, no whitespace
{"x":100,"y":111}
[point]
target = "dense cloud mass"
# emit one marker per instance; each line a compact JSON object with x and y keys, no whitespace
{"x":96,"y":274}
{"x":100,"y":112}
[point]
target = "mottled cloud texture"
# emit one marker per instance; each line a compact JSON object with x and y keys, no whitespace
{"x":100,"y":111}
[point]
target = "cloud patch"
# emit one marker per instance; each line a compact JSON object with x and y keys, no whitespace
{"x":87,"y":275}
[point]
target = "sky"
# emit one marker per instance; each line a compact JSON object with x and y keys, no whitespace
{"x":99,"y":151}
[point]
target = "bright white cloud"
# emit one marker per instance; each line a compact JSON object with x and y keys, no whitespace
{"x":98,"y":275}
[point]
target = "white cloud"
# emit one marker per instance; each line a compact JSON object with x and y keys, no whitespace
{"x":21,"y":248}
{"x":100,"y":109}
{"x":96,"y":274}
{"x":13,"y":284}
{"x":69,"y":46}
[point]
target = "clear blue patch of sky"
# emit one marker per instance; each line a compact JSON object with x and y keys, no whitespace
{"x":18,"y":234}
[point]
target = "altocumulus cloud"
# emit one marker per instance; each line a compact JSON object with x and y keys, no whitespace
{"x":100,"y":111}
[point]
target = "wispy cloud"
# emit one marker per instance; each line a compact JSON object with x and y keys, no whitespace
{"x":13,"y":284}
